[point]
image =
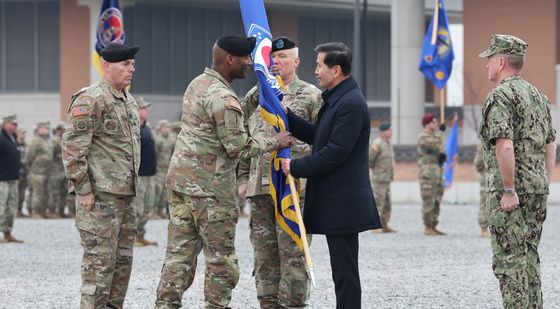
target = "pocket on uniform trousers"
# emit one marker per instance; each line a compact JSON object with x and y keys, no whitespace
{"x":496,"y":215}
{"x":98,"y":226}
{"x":88,"y":289}
{"x":222,"y":211}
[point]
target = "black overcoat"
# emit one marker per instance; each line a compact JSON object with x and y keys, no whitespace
{"x":338,"y":197}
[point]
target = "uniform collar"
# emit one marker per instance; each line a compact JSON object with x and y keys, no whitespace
{"x":114,"y":92}
{"x":510,"y":78}
{"x":217,"y":75}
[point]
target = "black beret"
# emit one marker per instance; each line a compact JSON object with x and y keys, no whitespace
{"x":281,"y":43}
{"x":237,"y":45}
{"x":117,"y":52}
{"x":384,"y":126}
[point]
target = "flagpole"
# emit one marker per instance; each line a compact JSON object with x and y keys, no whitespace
{"x":442,"y":104}
{"x":436,"y":22}
{"x":302,"y":231}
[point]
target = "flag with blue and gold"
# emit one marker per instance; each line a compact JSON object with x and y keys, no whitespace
{"x":452,"y":150}
{"x":110,"y":28}
{"x":270,"y":97}
{"x":437,"y":51}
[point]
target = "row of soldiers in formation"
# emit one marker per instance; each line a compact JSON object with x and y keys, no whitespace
{"x":430,"y":160}
{"x":43,"y":186}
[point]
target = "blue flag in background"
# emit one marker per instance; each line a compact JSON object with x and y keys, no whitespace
{"x":110,"y":28}
{"x":451,"y":149}
{"x":270,"y":96}
{"x":437,"y":52}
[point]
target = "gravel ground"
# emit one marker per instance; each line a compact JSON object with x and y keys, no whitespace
{"x":403,"y":270}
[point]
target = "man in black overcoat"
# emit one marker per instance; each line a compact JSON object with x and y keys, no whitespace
{"x":339,"y":201}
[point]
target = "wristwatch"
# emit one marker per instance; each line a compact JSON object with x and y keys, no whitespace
{"x":509,"y":191}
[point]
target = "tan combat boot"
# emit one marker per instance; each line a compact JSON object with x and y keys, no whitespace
{"x":387,"y":229}
{"x":9,"y":238}
{"x":484,"y":232}
{"x":430,"y":231}
{"x":439,"y":233}
{"x":142,"y":242}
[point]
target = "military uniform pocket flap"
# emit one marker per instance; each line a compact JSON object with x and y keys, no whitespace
{"x":99,"y":227}
{"x":220,"y":213}
{"x":88,"y":289}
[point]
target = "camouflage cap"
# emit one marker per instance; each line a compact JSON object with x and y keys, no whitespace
{"x":21,"y":130}
{"x":142,"y":103}
{"x":59,"y":125}
{"x":10,"y":118}
{"x":164,"y":122}
{"x":505,"y":44}
{"x":43,"y":124}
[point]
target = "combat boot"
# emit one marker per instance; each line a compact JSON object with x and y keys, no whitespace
{"x":9,"y":238}
{"x":484,"y":232}
{"x":162,"y":214}
{"x":51,"y":215}
{"x":20,"y":214}
{"x":430,"y":231}
{"x":439,"y":233}
{"x":142,"y":242}
{"x":36,"y":215}
{"x":387,"y":229}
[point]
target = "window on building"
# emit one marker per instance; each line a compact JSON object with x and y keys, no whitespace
{"x":176,"y":44}
{"x":29,"y":46}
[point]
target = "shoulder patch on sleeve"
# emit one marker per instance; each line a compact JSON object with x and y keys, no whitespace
{"x":80,"y":111}
{"x":233,"y":103}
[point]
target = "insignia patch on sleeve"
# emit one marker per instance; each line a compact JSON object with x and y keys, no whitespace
{"x":235,"y":104}
{"x":79,"y":111}
{"x":80,"y":124}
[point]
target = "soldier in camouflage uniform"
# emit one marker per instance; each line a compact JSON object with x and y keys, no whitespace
{"x":57,"y":184}
{"x":38,"y":161}
{"x":145,"y":195}
{"x":279,"y":265}
{"x":9,"y":173}
{"x":165,"y":144}
{"x":430,"y":161}
{"x":22,"y":183}
{"x":519,"y":156}
{"x":101,"y":152}
{"x":201,"y":178}
{"x":381,"y":164}
{"x":482,"y":217}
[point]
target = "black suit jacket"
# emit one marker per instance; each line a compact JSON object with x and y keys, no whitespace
{"x":338,"y":197}
{"x":10,"y":162}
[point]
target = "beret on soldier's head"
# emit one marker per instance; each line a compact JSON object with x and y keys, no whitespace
{"x":117,"y":52}
{"x":142,"y":103}
{"x":384,"y":126}
{"x":237,"y":45}
{"x":506,"y":45}
{"x":281,"y":43}
{"x":428,"y":117}
{"x":10,"y":118}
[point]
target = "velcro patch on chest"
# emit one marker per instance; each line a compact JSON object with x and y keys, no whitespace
{"x":79,"y":111}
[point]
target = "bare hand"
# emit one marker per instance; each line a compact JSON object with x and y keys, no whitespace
{"x":242,"y":190}
{"x":509,"y":203}
{"x":86,"y":200}
{"x":274,"y":70}
{"x":284,"y":139}
{"x":286,"y":166}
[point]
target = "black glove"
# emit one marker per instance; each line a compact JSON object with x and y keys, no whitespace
{"x":442,"y":158}
{"x":442,"y":127}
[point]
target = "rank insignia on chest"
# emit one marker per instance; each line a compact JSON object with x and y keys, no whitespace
{"x":79,"y":111}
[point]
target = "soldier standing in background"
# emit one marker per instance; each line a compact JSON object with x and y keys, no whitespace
{"x":145,"y":195}
{"x":430,"y":161}
{"x":9,"y":174}
{"x":38,"y":161}
{"x":101,"y":152}
{"x":165,"y":144}
{"x":57,"y":183}
{"x":22,"y":184}
{"x":279,"y":265}
{"x":202,"y":177}
{"x":519,"y":156}
{"x":482,"y":217}
{"x":381,"y":165}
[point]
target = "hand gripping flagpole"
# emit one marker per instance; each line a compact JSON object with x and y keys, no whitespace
{"x":302,"y":231}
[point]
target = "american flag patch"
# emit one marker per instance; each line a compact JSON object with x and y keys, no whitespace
{"x":79,"y":111}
